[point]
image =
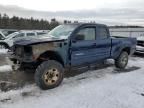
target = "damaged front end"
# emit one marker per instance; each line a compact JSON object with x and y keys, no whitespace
{"x":18,"y":55}
{"x":29,"y":55}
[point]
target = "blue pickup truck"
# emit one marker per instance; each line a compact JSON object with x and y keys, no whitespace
{"x":70,"y":46}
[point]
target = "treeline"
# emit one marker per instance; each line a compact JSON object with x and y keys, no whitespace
{"x":19,"y":23}
{"x":26,"y":23}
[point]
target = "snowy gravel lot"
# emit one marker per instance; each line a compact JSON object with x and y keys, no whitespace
{"x":100,"y":88}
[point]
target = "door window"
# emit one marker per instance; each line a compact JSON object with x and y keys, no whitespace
{"x":88,"y":33}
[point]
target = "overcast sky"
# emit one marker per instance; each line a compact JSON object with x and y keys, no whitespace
{"x":65,"y":5}
{"x":106,"y":11}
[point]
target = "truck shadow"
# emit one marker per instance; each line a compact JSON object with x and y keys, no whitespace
{"x":139,"y":55}
{"x":129,"y":69}
{"x":75,"y":72}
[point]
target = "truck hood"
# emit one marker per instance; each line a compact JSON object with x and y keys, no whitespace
{"x":32,"y":41}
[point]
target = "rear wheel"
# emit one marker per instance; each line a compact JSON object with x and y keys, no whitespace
{"x":122,"y":61}
{"x":49,"y":74}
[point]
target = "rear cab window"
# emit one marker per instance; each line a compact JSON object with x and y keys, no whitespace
{"x":102,"y":32}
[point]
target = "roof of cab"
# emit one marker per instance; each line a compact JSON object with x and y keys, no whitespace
{"x":81,"y":24}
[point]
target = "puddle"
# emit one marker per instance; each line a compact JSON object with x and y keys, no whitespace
{"x":142,"y":94}
{"x":82,"y":78}
{"x":15,"y":80}
{"x":5,"y":100}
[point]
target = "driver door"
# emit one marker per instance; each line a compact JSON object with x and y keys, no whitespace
{"x":83,"y":46}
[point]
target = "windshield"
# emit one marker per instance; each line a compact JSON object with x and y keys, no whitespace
{"x":5,"y":33}
{"x":1,"y":37}
{"x":62,"y":31}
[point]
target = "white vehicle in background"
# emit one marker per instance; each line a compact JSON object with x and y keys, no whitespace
{"x":140,"y":44}
{"x":7,"y":42}
{"x":138,"y":33}
{"x":5,"y":32}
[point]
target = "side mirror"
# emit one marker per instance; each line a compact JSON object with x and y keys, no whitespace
{"x":79,"y":37}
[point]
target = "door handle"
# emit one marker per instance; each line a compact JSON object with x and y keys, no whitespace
{"x":94,"y":44}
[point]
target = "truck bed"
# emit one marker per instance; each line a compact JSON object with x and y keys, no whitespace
{"x":119,"y":43}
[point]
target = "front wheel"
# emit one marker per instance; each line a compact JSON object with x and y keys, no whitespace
{"x":49,"y":74}
{"x":122,"y":61}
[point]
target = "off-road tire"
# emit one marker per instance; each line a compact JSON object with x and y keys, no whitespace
{"x":122,"y":61}
{"x":43,"y":70}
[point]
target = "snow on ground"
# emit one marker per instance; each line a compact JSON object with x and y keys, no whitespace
{"x":5,"y":68}
{"x":3,"y":58}
{"x":103,"y":88}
